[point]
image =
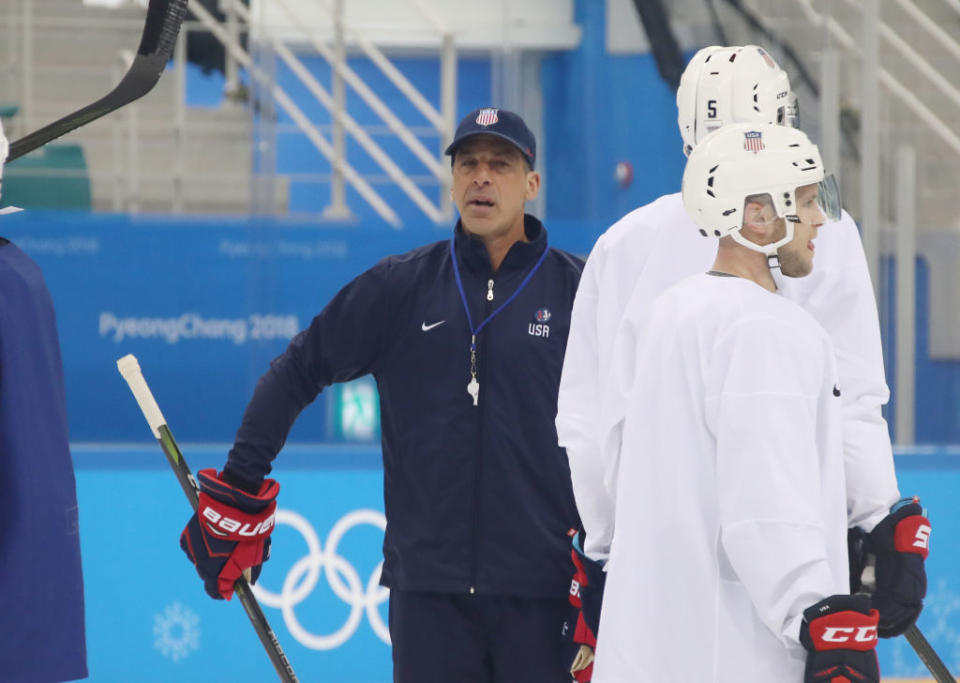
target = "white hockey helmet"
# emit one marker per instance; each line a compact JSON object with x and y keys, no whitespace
{"x":737,"y":84}
{"x":742,"y":160}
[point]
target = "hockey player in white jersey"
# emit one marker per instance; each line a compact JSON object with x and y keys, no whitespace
{"x":734,"y":532}
{"x":656,"y":245}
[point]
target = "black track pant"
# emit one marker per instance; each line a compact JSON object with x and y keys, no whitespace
{"x":445,"y":638}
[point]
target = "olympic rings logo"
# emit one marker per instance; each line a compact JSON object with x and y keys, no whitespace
{"x":305,"y":573}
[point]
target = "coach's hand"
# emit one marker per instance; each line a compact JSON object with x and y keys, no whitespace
{"x":900,"y":543}
{"x":840,"y":634}
{"x":229,"y":533}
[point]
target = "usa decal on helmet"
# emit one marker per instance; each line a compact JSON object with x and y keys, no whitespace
{"x":767,"y":58}
{"x":753,"y":141}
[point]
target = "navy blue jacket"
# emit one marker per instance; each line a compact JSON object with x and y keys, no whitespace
{"x":477,"y":498}
{"x":41,"y":585}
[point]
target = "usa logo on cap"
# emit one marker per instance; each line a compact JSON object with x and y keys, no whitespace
{"x":487,"y":117}
{"x":753,"y":141}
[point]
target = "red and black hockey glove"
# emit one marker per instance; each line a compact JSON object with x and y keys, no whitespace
{"x":583,"y":618}
{"x":840,"y":634}
{"x":900,"y":543}
{"x":229,"y":532}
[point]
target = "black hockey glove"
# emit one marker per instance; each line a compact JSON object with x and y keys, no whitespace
{"x":900,"y":543}
{"x":840,"y":634}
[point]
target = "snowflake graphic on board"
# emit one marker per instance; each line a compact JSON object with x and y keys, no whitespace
{"x":176,"y":631}
{"x":940,"y":623}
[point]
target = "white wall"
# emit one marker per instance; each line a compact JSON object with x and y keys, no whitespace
{"x":481,"y":25}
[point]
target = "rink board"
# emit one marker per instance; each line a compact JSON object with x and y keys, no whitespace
{"x":149,"y":620}
{"x":206,"y":303}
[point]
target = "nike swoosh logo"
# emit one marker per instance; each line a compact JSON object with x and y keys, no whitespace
{"x":427,"y":328}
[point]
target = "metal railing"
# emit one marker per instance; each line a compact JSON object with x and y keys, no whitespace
{"x":442,"y":120}
{"x":337,"y":109}
{"x":903,"y":93}
{"x":281,"y":97}
{"x":873,"y":75}
{"x":126,"y":175}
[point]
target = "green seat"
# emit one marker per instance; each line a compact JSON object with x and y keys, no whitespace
{"x":52,"y":177}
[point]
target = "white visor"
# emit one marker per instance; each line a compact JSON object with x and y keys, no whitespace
{"x":828,"y":197}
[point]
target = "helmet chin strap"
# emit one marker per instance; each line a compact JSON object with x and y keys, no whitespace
{"x":773,"y":261}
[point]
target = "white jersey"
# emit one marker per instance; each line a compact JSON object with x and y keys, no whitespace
{"x":736,"y":519}
{"x":654,"y":247}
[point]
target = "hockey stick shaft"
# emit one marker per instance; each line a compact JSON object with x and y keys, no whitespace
{"x":160,"y":31}
{"x":930,"y":659}
{"x":868,"y":583}
{"x":130,"y":369}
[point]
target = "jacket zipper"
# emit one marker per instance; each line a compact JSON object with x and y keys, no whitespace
{"x":478,"y":466}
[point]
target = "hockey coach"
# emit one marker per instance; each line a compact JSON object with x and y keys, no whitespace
{"x":465,"y":338}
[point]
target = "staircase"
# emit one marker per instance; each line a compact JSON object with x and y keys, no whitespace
{"x":938,"y":169}
{"x":140,"y":158}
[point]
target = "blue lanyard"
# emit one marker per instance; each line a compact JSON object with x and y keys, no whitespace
{"x":463,"y":297}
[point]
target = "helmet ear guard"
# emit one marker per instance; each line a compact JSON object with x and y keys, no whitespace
{"x":737,"y":84}
{"x":741,"y":161}
{"x":789,"y":113}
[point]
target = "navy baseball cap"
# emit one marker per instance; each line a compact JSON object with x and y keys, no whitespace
{"x":501,"y":123}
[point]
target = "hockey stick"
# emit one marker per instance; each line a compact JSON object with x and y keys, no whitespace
{"x":130,"y":369}
{"x":156,"y":46}
{"x":868,"y":583}
{"x":930,"y":659}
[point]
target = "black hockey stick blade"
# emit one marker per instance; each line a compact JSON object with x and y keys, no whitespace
{"x":130,"y":369}
{"x":160,"y":31}
{"x":930,"y":659}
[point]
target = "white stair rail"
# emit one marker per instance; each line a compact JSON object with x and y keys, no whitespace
{"x":906,"y":255}
{"x":396,"y":77}
{"x":351,"y":126}
{"x":365,"y":141}
{"x":396,"y":126}
{"x":322,"y":145}
{"x":338,"y":196}
{"x":26,"y":66}
{"x":448,"y":91}
{"x":131,"y":184}
{"x":922,"y":65}
{"x":179,"y":118}
{"x":911,"y":55}
{"x":955,"y":4}
{"x":431,"y":18}
{"x":900,"y":91}
{"x":931,"y":26}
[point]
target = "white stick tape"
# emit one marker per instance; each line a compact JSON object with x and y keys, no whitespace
{"x":130,"y":369}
